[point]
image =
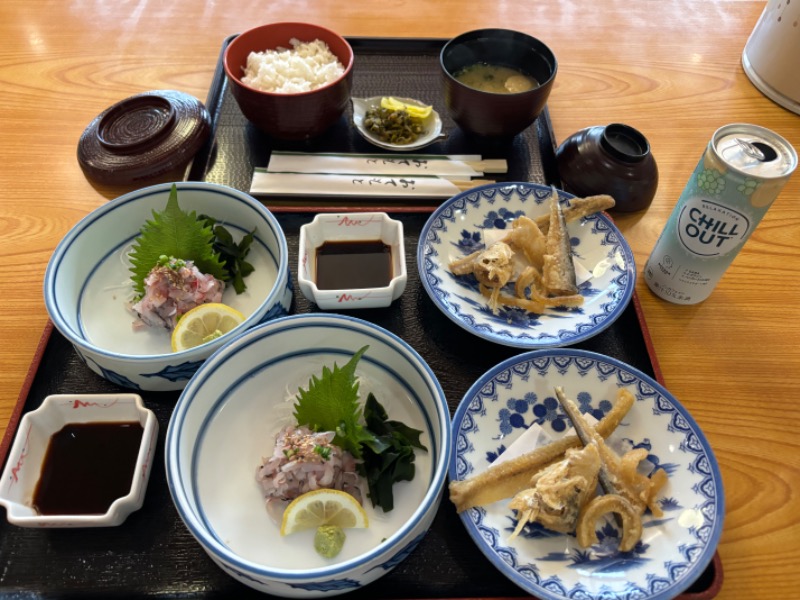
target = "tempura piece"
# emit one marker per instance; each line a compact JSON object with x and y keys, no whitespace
{"x":509,"y":477}
{"x":558,"y":271}
{"x":536,"y":256}
{"x":579,"y":208}
{"x":526,"y":237}
{"x":529,"y":285}
{"x":497,"y":298}
{"x":559,"y":492}
{"x":586,"y":533}
{"x":493,"y":268}
{"x":618,"y":475}
{"x":464,"y":265}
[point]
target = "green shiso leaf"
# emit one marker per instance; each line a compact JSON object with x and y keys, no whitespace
{"x":331,"y":404}
{"x":385,"y":447}
{"x":174,"y":232}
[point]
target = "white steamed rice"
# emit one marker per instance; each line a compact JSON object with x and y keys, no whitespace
{"x":304,"y":67}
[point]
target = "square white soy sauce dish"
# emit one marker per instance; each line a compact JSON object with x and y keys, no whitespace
{"x":351,"y":227}
{"x":27,"y":455}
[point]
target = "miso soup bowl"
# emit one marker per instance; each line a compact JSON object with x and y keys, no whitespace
{"x":27,"y":456}
{"x":351,"y":227}
{"x":226,"y":421}
{"x":87,"y":287}
{"x":491,"y":114}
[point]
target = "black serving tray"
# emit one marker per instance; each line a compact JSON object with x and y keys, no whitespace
{"x":382,"y":67}
{"x":152,"y":553}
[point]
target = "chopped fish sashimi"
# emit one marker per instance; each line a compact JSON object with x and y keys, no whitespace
{"x":302,"y":461}
{"x":172,"y":288}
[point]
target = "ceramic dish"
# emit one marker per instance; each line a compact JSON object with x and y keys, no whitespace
{"x":27,"y":456}
{"x":143,"y":137}
{"x":491,"y":114}
{"x":288,"y":116}
{"x":226,"y":421}
{"x":674,"y":550}
{"x":456,"y":229}
{"x":432,"y":123}
{"x":88,"y":290}
{"x":359,"y":228}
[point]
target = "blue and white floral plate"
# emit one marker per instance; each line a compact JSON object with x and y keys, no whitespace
{"x":674,"y":550}
{"x":456,"y":229}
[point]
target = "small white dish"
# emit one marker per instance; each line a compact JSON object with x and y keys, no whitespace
{"x":675,"y":549}
{"x":27,"y":455}
{"x":457,"y":228}
{"x":432,"y":124}
{"x":351,"y":227}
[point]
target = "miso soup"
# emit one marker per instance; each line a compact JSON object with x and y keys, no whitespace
{"x":496,"y":79}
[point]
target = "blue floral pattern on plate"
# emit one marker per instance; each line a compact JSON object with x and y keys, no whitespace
{"x":456,"y":229}
{"x":674,"y":549}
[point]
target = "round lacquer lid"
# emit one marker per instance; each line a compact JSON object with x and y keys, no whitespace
{"x":143,"y":137}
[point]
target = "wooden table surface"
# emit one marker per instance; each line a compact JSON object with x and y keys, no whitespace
{"x":670,"y":68}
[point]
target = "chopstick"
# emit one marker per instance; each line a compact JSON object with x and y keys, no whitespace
{"x":489,"y":165}
{"x":446,"y":165}
{"x":464,"y":185}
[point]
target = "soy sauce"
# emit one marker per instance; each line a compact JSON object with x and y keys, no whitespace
{"x":349,"y":265}
{"x":86,"y":467}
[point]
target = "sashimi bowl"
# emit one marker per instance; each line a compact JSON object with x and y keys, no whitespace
{"x":225,"y":428}
{"x":92,"y":300}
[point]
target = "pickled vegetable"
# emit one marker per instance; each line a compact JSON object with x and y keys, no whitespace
{"x":393,"y":125}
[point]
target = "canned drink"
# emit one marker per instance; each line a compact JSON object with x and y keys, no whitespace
{"x":740,"y":174}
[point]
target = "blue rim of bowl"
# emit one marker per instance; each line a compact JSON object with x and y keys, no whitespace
{"x":178,"y":491}
{"x":64,"y":245}
{"x":528,"y":188}
{"x":713,"y":541}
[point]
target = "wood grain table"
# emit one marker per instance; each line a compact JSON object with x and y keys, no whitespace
{"x":670,"y":68}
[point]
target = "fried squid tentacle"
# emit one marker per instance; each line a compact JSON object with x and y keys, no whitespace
{"x":602,"y":505}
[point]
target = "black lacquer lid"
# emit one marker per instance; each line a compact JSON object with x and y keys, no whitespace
{"x":143,"y":136}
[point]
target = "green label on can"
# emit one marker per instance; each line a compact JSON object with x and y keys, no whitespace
{"x":729,"y":192}
{"x":707,"y":228}
{"x":719,"y":209}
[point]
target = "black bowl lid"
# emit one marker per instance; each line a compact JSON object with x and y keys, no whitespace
{"x":143,"y":136}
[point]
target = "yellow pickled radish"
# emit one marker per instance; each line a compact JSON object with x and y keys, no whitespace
{"x":419,"y":112}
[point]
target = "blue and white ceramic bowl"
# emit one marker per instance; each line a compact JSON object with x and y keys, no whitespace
{"x":675,"y":549}
{"x":87,"y":285}
{"x":228,"y":416}
{"x":456,"y":229}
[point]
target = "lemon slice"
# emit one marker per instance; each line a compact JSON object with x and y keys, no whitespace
{"x":419,"y":112}
{"x":204,"y":323}
{"x":323,"y":507}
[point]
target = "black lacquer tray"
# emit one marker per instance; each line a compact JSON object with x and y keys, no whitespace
{"x":152,"y":553}
{"x":400,"y":67}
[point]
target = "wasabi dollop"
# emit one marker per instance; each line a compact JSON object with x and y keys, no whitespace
{"x":329,"y":540}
